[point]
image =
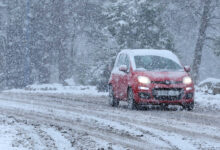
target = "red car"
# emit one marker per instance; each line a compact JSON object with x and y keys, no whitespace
{"x":145,"y":76}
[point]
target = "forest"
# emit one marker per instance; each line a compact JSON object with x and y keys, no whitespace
{"x":49,"y":41}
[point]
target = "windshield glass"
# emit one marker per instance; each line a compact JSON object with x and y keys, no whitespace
{"x":156,"y":63}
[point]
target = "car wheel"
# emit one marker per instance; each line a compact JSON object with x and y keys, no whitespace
{"x":131,"y":102}
{"x":112,"y":100}
{"x":189,"y":107}
{"x":164,"y":107}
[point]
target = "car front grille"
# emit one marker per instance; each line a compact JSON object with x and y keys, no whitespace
{"x":169,"y":94}
{"x":166,"y":82}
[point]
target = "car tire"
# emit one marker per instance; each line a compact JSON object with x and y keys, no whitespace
{"x":112,"y":100}
{"x":131,"y":102}
{"x":189,"y":107}
{"x":164,"y":107}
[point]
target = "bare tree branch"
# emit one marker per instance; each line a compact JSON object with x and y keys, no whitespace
{"x":211,"y":39}
{"x":209,"y":46}
{"x":214,"y":26}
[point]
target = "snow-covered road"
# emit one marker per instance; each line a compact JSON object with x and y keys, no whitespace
{"x":67,"y":121}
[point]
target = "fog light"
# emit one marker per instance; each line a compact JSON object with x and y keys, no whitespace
{"x":188,"y":88}
{"x":189,"y":96}
{"x":144,"y":95}
{"x":143,"y":88}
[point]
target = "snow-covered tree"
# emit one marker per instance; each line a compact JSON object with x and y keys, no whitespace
{"x":134,"y":24}
{"x":217,"y":46}
{"x":138,"y":24}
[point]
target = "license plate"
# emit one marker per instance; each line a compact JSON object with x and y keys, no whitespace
{"x":167,"y":93}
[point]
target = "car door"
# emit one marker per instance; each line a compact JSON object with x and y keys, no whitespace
{"x":117,"y":76}
{"x":124,"y":78}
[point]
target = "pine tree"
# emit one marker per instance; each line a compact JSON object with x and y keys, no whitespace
{"x":137,"y":24}
{"x":217,"y":46}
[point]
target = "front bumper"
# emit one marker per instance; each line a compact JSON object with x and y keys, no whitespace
{"x":158,"y":102}
{"x":147,"y":96}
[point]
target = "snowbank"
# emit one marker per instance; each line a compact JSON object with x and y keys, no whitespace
{"x":210,"y":85}
{"x":206,"y":94}
{"x":207,"y":100}
{"x":59,"y":88}
{"x":202,"y":99}
{"x":214,"y":81}
{"x":211,"y":80}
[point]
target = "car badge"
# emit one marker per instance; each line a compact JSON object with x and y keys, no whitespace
{"x":167,"y":82}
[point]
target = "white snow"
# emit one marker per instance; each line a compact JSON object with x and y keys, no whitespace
{"x":122,"y":22}
{"x":59,"y":139}
{"x":2,"y":4}
{"x":70,"y":82}
{"x":142,"y":52}
{"x":176,"y":140}
{"x":213,"y":81}
{"x":59,"y":88}
{"x":6,"y":137}
{"x":163,"y":138}
{"x":207,"y":100}
{"x":208,"y":85}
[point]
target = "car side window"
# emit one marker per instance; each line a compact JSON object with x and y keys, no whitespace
{"x":120,"y":60}
{"x":127,"y":61}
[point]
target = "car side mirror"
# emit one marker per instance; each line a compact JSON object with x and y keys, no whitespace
{"x":187,"y":68}
{"x":123,"y":68}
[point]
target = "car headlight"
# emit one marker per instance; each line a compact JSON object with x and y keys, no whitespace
{"x":144,"y":80}
{"x":187,"y":80}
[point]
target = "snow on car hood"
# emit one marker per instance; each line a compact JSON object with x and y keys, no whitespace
{"x":157,"y":75}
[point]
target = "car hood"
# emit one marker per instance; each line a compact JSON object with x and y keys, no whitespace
{"x":161,"y":76}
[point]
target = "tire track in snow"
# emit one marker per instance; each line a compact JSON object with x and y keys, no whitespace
{"x":100,"y":102}
{"x":124,"y":119}
{"x":127,"y":142}
{"x":85,"y":112}
{"x":127,"y":125}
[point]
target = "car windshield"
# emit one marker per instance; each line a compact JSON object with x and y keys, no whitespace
{"x":156,"y":63}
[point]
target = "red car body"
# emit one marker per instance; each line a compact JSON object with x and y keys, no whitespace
{"x":165,"y":86}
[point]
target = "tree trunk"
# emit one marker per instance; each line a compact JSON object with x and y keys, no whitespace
{"x":201,"y":40}
{"x":58,"y":65}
